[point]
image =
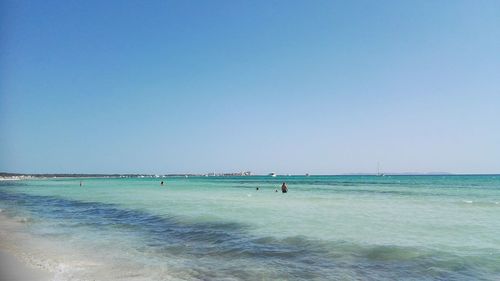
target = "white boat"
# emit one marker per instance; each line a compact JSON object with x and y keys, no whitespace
{"x":273,"y":175}
{"x":378,"y":171}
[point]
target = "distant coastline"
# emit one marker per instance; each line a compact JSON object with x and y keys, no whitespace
{"x":23,"y":176}
{"x":12,"y":176}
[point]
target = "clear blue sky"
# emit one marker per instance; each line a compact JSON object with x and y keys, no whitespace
{"x":285,"y":86}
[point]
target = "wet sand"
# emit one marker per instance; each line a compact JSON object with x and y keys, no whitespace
{"x":12,"y":269}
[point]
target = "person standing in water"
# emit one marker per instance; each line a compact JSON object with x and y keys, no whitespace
{"x":284,"y":188}
{"x":81,"y":183}
{"x":161,"y":183}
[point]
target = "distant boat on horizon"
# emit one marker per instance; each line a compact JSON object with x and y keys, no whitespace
{"x":273,"y":174}
{"x":379,"y":174}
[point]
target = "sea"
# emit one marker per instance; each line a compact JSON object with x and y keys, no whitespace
{"x":224,"y":228}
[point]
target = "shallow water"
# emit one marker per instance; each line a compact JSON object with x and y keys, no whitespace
{"x":222,"y":228}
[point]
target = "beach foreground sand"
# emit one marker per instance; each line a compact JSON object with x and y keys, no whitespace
{"x":12,"y":269}
{"x":13,"y":238}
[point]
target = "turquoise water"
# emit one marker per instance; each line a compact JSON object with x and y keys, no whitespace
{"x":222,"y":228}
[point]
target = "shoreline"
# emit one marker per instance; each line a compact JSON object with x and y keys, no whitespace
{"x":13,"y":263}
{"x":13,"y":269}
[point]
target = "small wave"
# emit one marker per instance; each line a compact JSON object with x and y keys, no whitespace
{"x":391,"y":253}
{"x":62,"y":271}
{"x":480,"y":203}
{"x":25,"y":219}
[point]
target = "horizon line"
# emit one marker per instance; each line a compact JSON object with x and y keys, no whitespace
{"x":211,"y":174}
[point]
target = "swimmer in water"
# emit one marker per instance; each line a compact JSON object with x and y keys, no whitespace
{"x":81,"y":183}
{"x":161,"y":183}
{"x":257,"y":188}
{"x":284,"y":188}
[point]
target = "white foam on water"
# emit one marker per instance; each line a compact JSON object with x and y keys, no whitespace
{"x":24,"y":219}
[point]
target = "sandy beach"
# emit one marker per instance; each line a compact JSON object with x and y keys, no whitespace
{"x":12,"y":269}
{"x":14,"y":242}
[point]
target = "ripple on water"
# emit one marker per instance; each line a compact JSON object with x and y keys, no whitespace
{"x":218,"y":250}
